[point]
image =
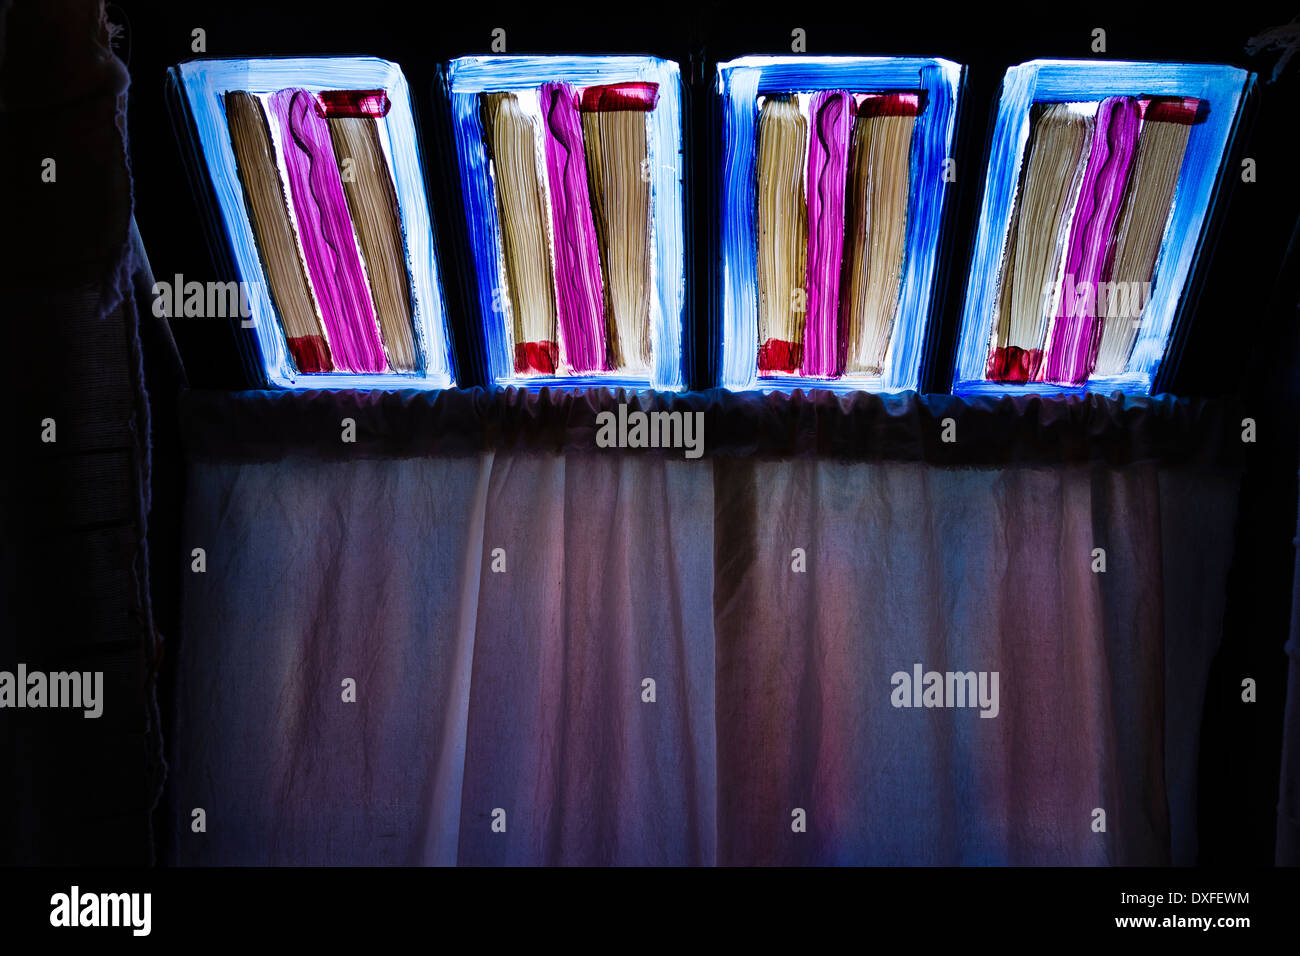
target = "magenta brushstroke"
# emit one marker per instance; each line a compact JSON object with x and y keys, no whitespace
{"x":325,"y":228}
{"x":580,"y":297}
{"x":828,"y":159}
{"x":1077,"y":331}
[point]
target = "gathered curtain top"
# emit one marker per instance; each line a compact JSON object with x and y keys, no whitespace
{"x":942,"y":430}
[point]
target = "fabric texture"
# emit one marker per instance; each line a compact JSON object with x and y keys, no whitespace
{"x":962,"y":570}
{"x":501,"y":612}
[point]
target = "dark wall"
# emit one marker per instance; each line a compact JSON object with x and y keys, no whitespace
{"x":1241,"y":342}
{"x":74,"y":479}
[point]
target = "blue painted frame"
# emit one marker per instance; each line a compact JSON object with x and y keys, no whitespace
{"x":204,"y":82}
{"x":467,"y":77}
{"x":739,"y":84}
{"x":1061,"y":81}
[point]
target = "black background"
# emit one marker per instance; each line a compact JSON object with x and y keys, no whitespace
{"x":1241,"y":338}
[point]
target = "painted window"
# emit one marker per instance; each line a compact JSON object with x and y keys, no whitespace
{"x":571,"y":170}
{"x":1100,"y":179}
{"x":832,"y":193}
{"x":317,"y":176}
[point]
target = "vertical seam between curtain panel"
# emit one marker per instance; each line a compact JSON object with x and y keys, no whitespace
{"x":717,"y":717}
{"x":457,"y":736}
{"x":727,"y":474}
{"x":1110,"y":765}
{"x":1157,"y":551}
{"x":713,"y":639}
{"x":550,"y":845}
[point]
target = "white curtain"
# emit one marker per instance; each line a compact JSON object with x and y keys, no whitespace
{"x":503,"y":617}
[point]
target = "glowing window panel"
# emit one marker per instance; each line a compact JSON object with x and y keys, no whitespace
{"x":1100,"y":180}
{"x":316,"y":170}
{"x":571,"y":170}
{"x":832,"y":193}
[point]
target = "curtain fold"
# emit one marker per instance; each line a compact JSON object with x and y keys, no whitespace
{"x":607,"y":584}
{"x":364,"y":572}
{"x":956,"y":571}
{"x":502,"y":613}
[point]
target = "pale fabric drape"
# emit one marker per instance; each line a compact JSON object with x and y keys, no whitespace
{"x":501,"y":715}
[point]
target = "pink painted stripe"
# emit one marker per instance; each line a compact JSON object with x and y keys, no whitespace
{"x":828,"y":160}
{"x":1077,"y":330}
{"x":325,"y":228}
{"x":580,"y":302}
